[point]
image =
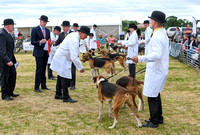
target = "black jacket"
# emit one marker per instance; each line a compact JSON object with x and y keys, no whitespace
{"x":6,"y":48}
{"x":61,"y":37}
{"x":36,"y":36}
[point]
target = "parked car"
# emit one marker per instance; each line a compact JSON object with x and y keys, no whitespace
{"x":171,"y":31}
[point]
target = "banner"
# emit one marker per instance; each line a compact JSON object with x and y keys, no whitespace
{"x":194,"y":26}
{"x":27,"y":46}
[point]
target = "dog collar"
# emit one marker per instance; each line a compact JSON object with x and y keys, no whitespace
{"x":102,"y":79}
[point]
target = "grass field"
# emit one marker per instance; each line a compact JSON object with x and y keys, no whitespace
{"x":39,"y":113}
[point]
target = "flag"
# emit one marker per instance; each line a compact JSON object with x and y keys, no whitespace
{"x":194,"y":25}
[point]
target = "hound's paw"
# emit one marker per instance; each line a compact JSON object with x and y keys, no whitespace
{"x":111,"y":127}
{"x":140,"y":125}
{"x":132,"y":114}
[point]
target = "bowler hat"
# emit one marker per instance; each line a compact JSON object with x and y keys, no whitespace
{"x":8,"y":22}
{"x":91,"y":34}
{"x":44,"y":18}
{"x":94,"y":25}
{"x":158,"y":16}
{"x":146,"y":22}
{"x":132,"y":25}
{"x":65,"y":23}
{"x":85,"y":30}
{"x":75,"y":25}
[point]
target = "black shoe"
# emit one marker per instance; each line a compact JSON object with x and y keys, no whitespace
{"x":52,"y":78}
{"x":7,"y":98}
{"x":160,"y":122}
{"x":150,"y":125}
{"x":58,"y":97}
{"x":72,"y":88}
{"x":69,"y":100}
{"x":46,"y":88}
{"x":38,"y":90}
{"x":14,"y":95}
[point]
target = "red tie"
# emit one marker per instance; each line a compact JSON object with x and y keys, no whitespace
{"x":43,"y":32}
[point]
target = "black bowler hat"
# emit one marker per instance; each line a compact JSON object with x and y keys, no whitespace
{"x":44,"y":18}
{"x":95,"y":25}
{"x":57,"y":28}
{"x":132,"y":25}
{"x":85,"y":30}
{"x":75,"y":25}
{"x":146,"y":22}
{"x":65,"y":23}
{"x":8,"y":22}
{"x":158,"y":16}
{"x":91,"y":34}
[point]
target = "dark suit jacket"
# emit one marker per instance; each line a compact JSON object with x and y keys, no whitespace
{"x":61,"y":37}
{"x":6,"y":48}
{"x":36,"y":36}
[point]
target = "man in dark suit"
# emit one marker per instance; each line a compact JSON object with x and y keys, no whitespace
{"x":62,"y":35}
{"x":7,"y":61}
{"x":39,"y":38}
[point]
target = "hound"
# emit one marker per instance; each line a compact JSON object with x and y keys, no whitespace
{"x":108,"y":91}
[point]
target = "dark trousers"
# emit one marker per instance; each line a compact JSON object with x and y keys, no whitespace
{"x":40,"y":77}
{"x":50,"y":74}
{"x":73,"y":71}
{"x":155,"y":109}
{"x":132,"y":68}
{"x":8,"y":80}
{"x":62,"y":87}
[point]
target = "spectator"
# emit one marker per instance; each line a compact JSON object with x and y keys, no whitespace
{"x":177,"y":35}
{"x":188,"y":31}
{"x":111,"y":41}
{"x":28,"y":39}
{"x":192,"y":42}
{"x":142,"y":38}
{"x":19,"y":34}
{"x":19,"y":44}
{"x":198,"y":41}
{"x":198,"y":32}
{"x":101,"y":41}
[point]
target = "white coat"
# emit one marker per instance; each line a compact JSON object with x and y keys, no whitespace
{"x":67,"y":53}
{"x":82,"y":47}
{"x":148,"y":33}
{"x":94,"y":32}
{"x":132,"y":44}
{"x":53,"y":48}
{"x":157,"y":63}
{"x":92,"y":44}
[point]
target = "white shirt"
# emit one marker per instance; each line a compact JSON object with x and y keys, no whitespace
{"x":53,"y":36}
{"x":46,"y":44}
{"x":157,"y":63}
{"x":83,"y":45}
{"x":67,"y":53}
{"x":94,"y":32}
{"x":148,"y":33}
{"x":132,"y":44}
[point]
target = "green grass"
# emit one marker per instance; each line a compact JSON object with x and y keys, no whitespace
{"x":39,"y":113}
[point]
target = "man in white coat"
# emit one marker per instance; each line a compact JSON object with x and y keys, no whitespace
{"x":148,"y":34}
{"x":94,"y":32}
{"x":157,"y":61}
{"x":68,"y":53}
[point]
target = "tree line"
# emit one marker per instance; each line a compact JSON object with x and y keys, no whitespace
{"x":172,"y":21}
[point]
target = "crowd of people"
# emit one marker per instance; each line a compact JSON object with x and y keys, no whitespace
{"x":62,"y":56}
{"x":190,"y":45}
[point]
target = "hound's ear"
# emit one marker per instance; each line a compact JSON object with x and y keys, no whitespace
{"x":95,"y":79}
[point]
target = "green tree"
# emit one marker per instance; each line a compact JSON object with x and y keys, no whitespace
{"x":125,"y":24}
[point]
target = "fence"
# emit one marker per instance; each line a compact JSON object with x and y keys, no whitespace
{"x":185,"y":53}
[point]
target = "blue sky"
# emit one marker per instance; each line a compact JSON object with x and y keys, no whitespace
{"x":27,"y":12}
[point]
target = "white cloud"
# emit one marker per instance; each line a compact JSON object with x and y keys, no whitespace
{"x":90,"y":11}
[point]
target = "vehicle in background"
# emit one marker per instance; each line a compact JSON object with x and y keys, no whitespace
{"x":172,"y":30}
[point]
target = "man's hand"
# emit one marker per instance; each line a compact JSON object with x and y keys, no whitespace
{"x":142,"y":43}
{"x":135,"y":59}
{"x":10,"y":63}
{"x":82,"y":70}
{"x":52,"y":43}
{"x":43,"y":41}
